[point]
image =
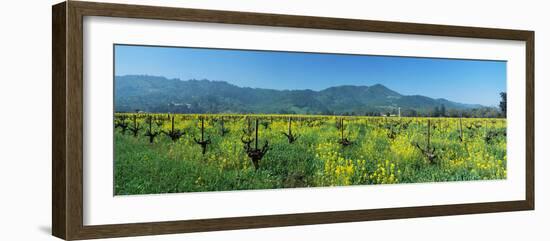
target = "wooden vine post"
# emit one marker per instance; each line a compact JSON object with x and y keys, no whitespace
{"x":150,"y":132}
{"x":122,"y":124}
{"x":135,"y":128}
{"x":223,"y":130}
{"x":428,"y":151}
{"x":255,"y":154}
{"x":291,"y":137}
{"x":202,"y":142}
{"x":174,"y":133}
{"x":344,"y":141}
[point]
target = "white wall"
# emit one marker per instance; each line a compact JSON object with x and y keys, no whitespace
{"x":25,"y":92}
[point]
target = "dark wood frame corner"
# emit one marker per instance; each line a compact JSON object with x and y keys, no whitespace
{"x":67,"y":123}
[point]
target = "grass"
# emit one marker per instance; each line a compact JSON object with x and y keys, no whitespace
{"x":383,"y":151}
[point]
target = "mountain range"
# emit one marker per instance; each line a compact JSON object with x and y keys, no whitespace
{"x":160,"y":94}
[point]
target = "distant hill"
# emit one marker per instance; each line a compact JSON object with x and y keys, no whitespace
{"x":159,"y":94}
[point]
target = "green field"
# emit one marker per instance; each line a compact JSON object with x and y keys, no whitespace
{"x":217,"y":152}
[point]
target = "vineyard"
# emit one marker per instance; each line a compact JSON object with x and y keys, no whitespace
{"x":164,"y":153}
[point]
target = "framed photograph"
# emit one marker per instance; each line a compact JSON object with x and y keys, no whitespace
{"x":171,"y":120}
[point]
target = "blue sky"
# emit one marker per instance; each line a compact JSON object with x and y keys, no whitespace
{"x":465,"y":81}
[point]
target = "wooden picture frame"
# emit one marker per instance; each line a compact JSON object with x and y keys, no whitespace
{"x":67,"y":124}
